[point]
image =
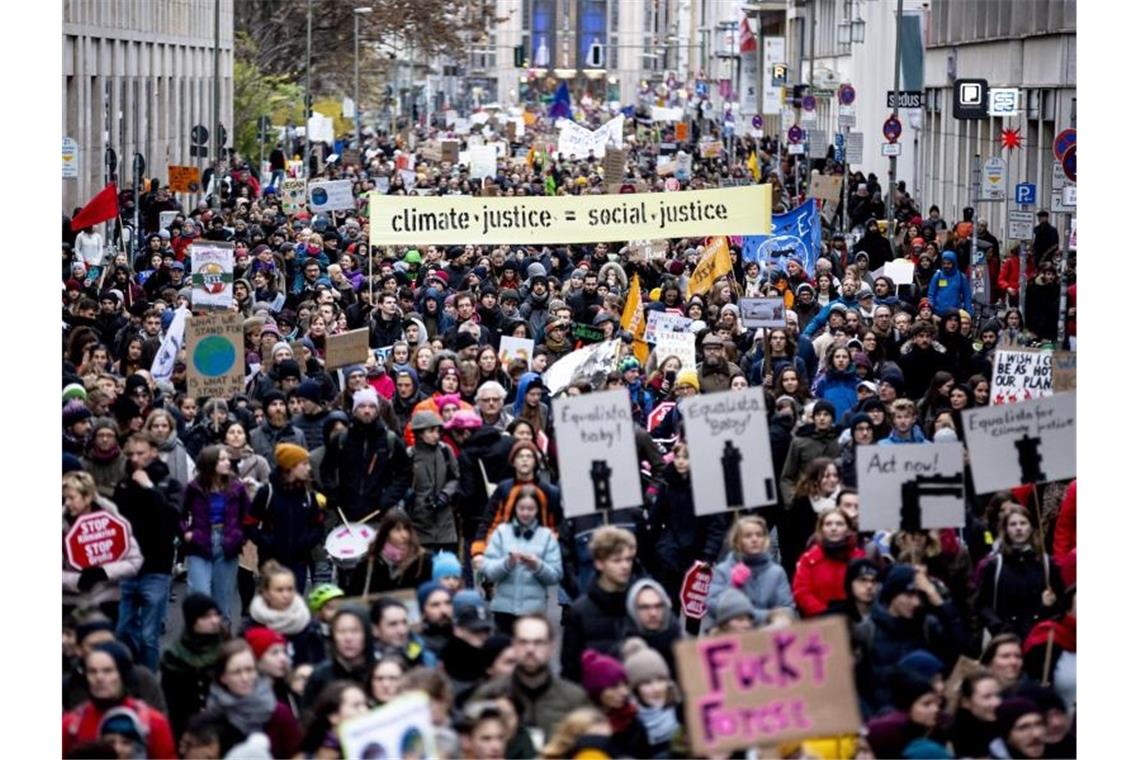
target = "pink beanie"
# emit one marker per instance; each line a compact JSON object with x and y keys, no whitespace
{"x":600,"y":672}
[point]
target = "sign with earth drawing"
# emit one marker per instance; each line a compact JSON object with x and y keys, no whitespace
{"x":212,"y":278}
{"x":215,"y":364}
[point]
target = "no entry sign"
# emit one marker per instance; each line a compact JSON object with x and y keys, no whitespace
{"x":97,"y":538}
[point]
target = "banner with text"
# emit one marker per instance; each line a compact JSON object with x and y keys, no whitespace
{"x":597,"y":453}
{"x":401,"y":728}
{"x":663,"y":321}
{"x":457,"y":220}
{"x":922,"y":486}
{"x":215,"y":362}
{"x":331,"y":196}
{"x":1027,"y":442}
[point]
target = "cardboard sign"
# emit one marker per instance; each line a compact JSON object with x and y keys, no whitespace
{"x":97,"y":538}
{"x":166,"y":218}
{"x":402,"y":728}
{"x":212,"y":280}
{"x":921,"y":485}
{"x":681,"y":131}
{"x":763,"y":312}
{"x":597,"y":452}
{"x":695,"y":590}
{"x":347,"y":348}
{"x":1064,"y":371}
{"x":729,"y":451}
{"x":292,"y":195}
{"x":682,"y":345}
{"x":432,"y":150}
{"x":215,"y":359}
{"x":1028,"y":442}
{"x":331,"y":196}
{"x":449,"y":151}
{"x":591,"y":363}
{"x":826,"y":187}
{"x":664,"y":321}
{"x":1021,"y":375}
{"x":184,"y":179}
{"x":712,"y":149}
{"x":614,"y":165}
{"x":515,"y":348}
{"x":767,"y":687}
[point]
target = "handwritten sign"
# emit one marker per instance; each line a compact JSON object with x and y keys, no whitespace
{"x":826,"y":187}
{"x":1064,"y":371}
{"x":729,"y":452}
{"x":763,"y":312}
{"x":664,"y":321}
{"x":767,"y":687}
{"x":215,"y":362}
{"x":347,"y":348}
{"x":1021,"y":375}
{"x":184,"y":179}
{"x":1027,"y":442}
{"x":682,"y":345}
{"x":597,"y":452}
{"x":515,"y":348}
{"x":292,"y":195}
{"x":924,"y":480}
{"x":401,"y":728}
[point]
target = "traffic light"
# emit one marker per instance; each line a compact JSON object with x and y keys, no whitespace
{"x":798,"y":92}
{"x":520,"y":56}
{"x":595,"y":60}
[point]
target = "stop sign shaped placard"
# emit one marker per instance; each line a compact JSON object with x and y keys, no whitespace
{"x":96,"y":539}
{"x":695,"y":590}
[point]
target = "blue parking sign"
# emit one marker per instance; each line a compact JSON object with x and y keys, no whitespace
{"x":1025,"y":193}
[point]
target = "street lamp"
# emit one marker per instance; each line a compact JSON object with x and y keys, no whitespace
{"x":858,"y":30}
{"x":356,"y":14}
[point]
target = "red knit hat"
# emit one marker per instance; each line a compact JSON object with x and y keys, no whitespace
{"x":261,"y":638}
{"x":600,"y":672}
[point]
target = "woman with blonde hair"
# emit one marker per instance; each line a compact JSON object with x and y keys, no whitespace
{"x":162,"y":427}
{"x":749,"y":567}
{"x":583,"y":728}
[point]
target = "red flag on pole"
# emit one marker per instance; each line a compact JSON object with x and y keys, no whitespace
{"x":747,"y":38}
{"x":104,"y":206}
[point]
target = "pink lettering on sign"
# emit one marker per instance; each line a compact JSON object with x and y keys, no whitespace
{"x":750,"y":723}
{"x":783,"y":666}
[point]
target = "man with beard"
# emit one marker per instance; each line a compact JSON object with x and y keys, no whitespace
{"x":277,"y":428}
{"x":583,"y":302}
{"x":651,"y":611}
{"x":465,"y":312}
{"x":546,"y":699}
{"x":716,"y":371}
{"x":554,"y":339}
{"x":436,"y":615}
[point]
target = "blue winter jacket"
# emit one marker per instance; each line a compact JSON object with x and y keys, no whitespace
{"x":950,"y":291}
{"x":839,"y":389}
{"x":819,"y":321}
{"x":894,"y":439}
{"x":518,"y":590}
{"x":767,"y":588}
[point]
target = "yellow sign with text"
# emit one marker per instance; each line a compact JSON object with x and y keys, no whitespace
{"x":457,"y":220}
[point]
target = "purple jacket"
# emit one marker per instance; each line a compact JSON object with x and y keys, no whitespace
{"x":196,"y":519}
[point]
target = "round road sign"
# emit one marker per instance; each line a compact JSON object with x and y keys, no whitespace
{"x":757,"y":121}
{"x":1069,"y":162}
{"x":807,"y":102}
{"x":795,"y":134}
{"x":846,"y":94}
{"x":1062,"y":142}
{"x":892,"y":128}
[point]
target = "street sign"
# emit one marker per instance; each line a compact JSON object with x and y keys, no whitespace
{"x":702,"y":88}
{"x":779,"y":74}
{"x":1020,"y":225}
{"x":795,"y":134}
{"x":808,"y":102}
{"x":757,"y":121}
{"x":199,"y":135}
{"x":993,"y":179}
{"x":1025,"y":193}
{"x":840,"y":148}
{"x":1069,"y":162}
{"x":1057,"y":202}
{"x":971,"y":97}
{"x":1003,"y":101}
{"x":795,"y":149}
{"x":817,"y":143}
{"x":907,"y":98}
{"x":892,"y":149}
{"x":892,"y":128}
{"x":1062,"y":142}
{"x":854,"y":147}
{"x":1069,"y":195}
{"x":70,"y":158}
{"x":846,"y":94}
{"x":97,"y":538}
{"x":846,"y":116}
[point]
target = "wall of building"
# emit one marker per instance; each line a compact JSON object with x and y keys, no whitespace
{"x":137,"y":76}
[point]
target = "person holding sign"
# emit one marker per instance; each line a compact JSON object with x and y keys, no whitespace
{"x":94,"y":584}
{"x":748,"y":566}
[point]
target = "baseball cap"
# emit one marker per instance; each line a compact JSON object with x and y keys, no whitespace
{"x":471,"y":612}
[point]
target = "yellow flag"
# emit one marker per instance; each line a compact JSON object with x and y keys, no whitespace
{"x":632,"y":319}
{"x":754,"y":166}
{"x":715,"y":263}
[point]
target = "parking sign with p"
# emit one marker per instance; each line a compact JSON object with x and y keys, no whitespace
{"x":971,"y":99}
{"x":1025,"y":193}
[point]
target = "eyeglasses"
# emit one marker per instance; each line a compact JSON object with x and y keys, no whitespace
{"x":648,"y":607}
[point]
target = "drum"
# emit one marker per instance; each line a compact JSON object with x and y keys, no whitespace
{"x":348,"y":544}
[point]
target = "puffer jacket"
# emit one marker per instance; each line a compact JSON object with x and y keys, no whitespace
{"x":767,"y":585}
{"x":518,"y":589}
{"x":820,"y":577}
{"x":435,"y":472}
{"x":839,"y":389}
{"x":104,"y":591}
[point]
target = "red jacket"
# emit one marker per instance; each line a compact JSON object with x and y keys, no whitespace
{"x":1065,"y":534}
{"x":1011,"y":273}
{"x":81,"y":725}
{"x":819,"y":580}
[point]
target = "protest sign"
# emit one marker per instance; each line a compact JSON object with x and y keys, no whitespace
{"x":511,"y":348}
{"x":402,"y":728}
{"x":331,"y":196}
{"x":215,"y":359}
{"x":596,"y":452}
{"x":670,"y":115}
{"x":1027,"y":442}
{"x":184,"y":179}
{"x":796,"y":233}
{"x":347,"y":348}
{"x":166,"y":218}
{"x":763,"y":312}
{"x":729,"y":453}
{"x":614,"y":165}
{"x":826,"y":187}
{"x":695,"y":590}
{"x":292,"y":195}
{"x":901,"y":272}
{"x":212,"y":280}
{"x":714,"y":264}
{"x":449,"y":151}
{"x":712,"y":149}
{"x":1020,"y":375}
{"x":648,"y":250}
{"x":768,"y":686}
{"x":922,"y":486}
{"x":431,"y":150}
{"x":1064,"y":371}
{"x":586,"y":333}
{"x":664,"y":321}
{"x":482,"y":161}
{"x":457,"y":220}
{"x":97,"y":538}
{"x":591,"y":363}
{"x":683,"y":345}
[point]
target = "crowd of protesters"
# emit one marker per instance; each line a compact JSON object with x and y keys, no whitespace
{"x":534,"y":634}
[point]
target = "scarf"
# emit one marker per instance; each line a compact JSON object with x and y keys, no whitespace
{"x":104,"y":457}
{"x":623,"y":717}
{"x":287,"y":622}
{"x":249,"y":713}
{"x":838,"y":549}
{"x":822,"y":504}
{"x":392,"y":554}
{"x":556,"y":345}
{"x":660,"y":723}
{"x":192,"y":652}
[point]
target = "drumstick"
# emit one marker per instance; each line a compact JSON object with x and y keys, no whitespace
{"x":340,"y":512}
{"x":370,"y":516}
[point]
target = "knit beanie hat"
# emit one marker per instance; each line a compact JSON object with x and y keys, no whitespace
{"x":261,"y":638}
{"x":688,"y":377}
{"x":195,"y":606}
{"x":445,"y":565}
{"x":1012,"y":710}
{"x":823,"y":405}
{"x":123,"y":662}
{"x":922,"y":663}
{"x":900,"y":578}
{"x":629,"y":363}
{"x":907,"y":688}
{"x":365,"y":396}
{"x":925,"y":749}
{"x":494,"y":646}
{"x":310,"y":390}
{"x":600,"y":672}
{"x":289,"y":455}
{"x":75,"y":411}
{"x":643,"y":663}
{"x":74,"y":391}
{"x":426,"y":589}
{"x":281,"y":346}
{"x":521,"y":445}
{"x":730,"y":604}
{"x":125,"y":722}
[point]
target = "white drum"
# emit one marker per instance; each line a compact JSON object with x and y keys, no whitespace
{"x":348,"y":544}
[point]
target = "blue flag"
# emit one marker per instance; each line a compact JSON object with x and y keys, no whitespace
{"x":795,"y":233}
{"x":560,"y":106}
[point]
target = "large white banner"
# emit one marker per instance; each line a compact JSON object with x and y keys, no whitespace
{"x":729,"y":451}
{"x":1027,"y":442}
{"x":576,"y":141}
{"x":597,"y":452}
{"x":591,"y":363}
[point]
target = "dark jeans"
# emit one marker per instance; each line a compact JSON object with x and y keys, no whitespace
{"x":142,"y":612}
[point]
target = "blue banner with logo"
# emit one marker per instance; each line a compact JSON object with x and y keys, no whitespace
{"x":796,"y":233}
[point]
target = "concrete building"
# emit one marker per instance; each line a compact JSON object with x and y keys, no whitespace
{"x":1031,"y":46}
{"x":137,"y":76}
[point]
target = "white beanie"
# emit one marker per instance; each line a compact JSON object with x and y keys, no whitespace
{"x":365,"y":396}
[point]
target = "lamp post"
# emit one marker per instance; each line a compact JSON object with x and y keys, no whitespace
{"x":308,"y":82}
{"x":356,"y":14}
{"x":895,"y":112}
